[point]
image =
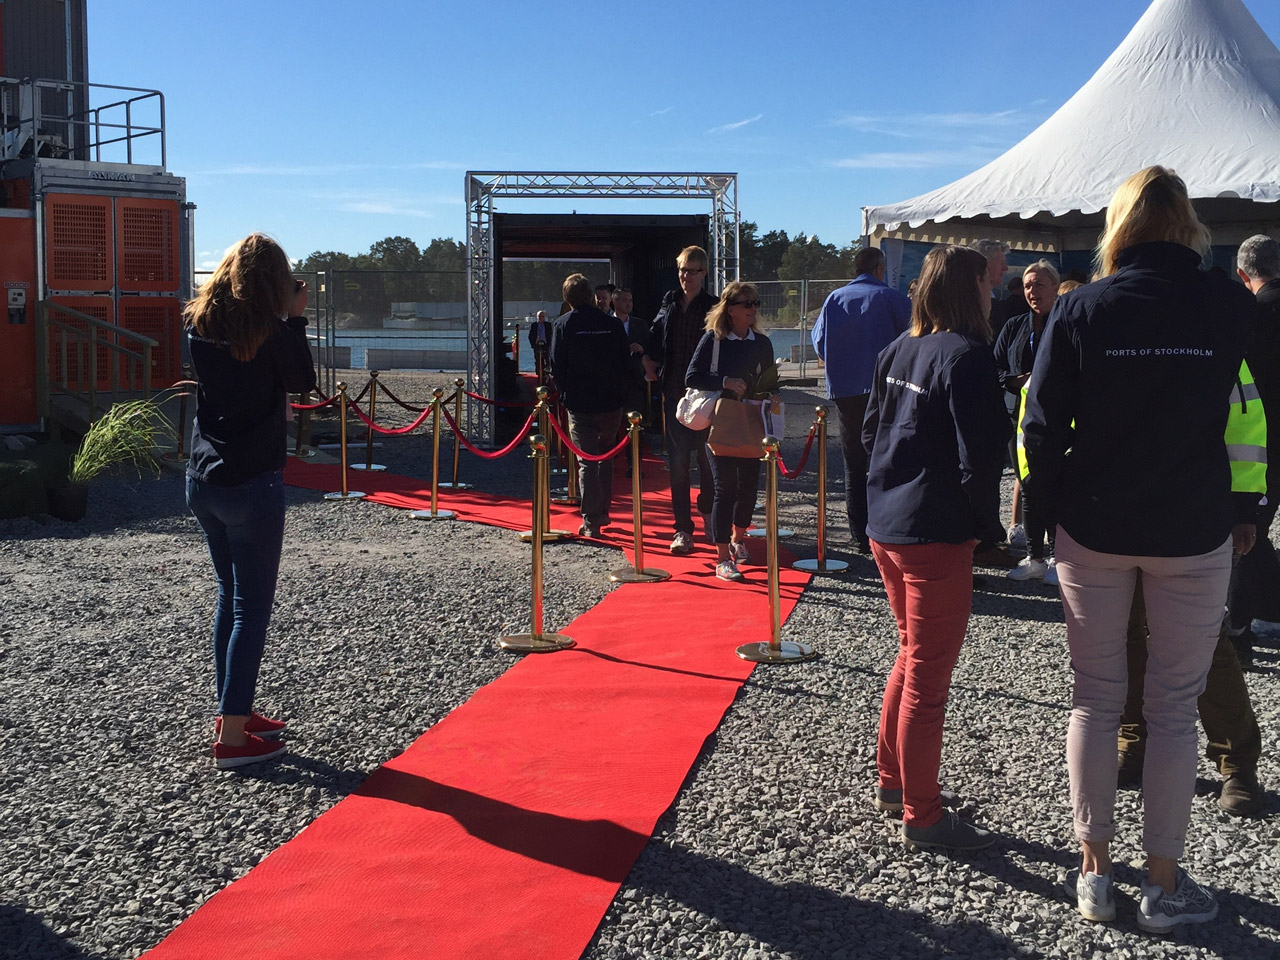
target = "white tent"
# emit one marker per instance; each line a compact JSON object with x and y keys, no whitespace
{"x":1194,"y":86}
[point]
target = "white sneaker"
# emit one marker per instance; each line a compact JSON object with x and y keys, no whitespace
{"x":1028,"y":569}
{"x":1017,"y":536}
{"x":1094,"y":897}
{"x":682,"y":544}
{"x":1051,"y":575}
{"x":1161,"y":910}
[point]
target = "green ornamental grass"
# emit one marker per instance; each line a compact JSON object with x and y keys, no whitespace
{"x":126,"y":433}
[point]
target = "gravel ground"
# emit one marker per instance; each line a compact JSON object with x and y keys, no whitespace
{"x":114,"y":825}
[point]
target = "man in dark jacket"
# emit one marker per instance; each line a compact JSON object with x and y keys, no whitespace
{"x":673,"y":337}
{"x":589,"y":355}
{"x":1255,"y":591}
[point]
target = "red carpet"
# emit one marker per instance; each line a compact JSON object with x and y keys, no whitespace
{"x":506,"y":830}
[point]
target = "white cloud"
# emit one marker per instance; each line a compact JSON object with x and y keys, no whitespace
{"x":912,"y":124}
{"x":726,"y":127}
{"x":658,"y":113}
{"x":384,"y":208}
{"x":914,"y":160}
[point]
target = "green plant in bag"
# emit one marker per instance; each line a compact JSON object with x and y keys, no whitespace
{"x":124,"y":434}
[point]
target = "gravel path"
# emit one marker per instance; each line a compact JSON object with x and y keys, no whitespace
{"x":114,"y":826}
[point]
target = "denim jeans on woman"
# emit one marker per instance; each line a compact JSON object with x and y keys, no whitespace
{"x":737,"y":481}
{"x":1184,"y":597}
{"x":244,"y":527}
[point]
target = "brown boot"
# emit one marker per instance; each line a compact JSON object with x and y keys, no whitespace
{"x":1241,"y":794}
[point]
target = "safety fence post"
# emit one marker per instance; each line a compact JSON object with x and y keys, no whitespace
{"x":549,"y":535}
{"x":345,"y":493}
{"x":776,"y":650}
{"x":458,"y":384}
{"x":821,"y":564}
{"x":536,"y":641}
{"x":637,"y":573}
{"x":435,"y":513}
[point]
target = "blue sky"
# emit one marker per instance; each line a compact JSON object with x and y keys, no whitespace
{"x":332,"y":125}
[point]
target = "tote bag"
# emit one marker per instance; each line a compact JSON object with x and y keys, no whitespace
{"x":696,"y":407}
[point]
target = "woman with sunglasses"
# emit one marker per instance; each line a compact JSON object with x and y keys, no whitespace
{"x":744,"y":370}
{"x":935,"y":432}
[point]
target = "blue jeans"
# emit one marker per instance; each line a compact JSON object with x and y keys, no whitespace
{"x":684,"y":445}
{"x":244,"y":527}
{"x":737,"y":482}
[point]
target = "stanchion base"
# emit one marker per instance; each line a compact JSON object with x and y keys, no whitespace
{"x":547,"y":537}
{"x":813,"y":566}
{"x":349,"y":495}
{"x":428,"y":515}
{"x":536,"y":642}
{"x":760,"y":533}
{"x":454,"y":486}
{"x":786,"y":652}
{"x":566,"y":501}
{"x":632,"y":575}
{"x":373,"y":469}
{"x":306,"y":453}
{"x":174,"y":457}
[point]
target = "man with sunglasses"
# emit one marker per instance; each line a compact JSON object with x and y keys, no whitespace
{"x":673,"y":338}
{"x":857,"y":322}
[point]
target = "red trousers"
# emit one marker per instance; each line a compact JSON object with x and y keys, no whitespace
{"x":930,"y":588}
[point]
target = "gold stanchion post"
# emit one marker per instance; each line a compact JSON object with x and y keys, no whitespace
{"x":783,"y":533}
{"x":638,"y":573}
{"x":537,"y":641}
{"x":435,"y":513}
{"x":570,"y":497}
{"x":821,"y":564}
{"x":549,"y":535}
{"x":458,"y":384}
{"x":776,"y":650}
{"x":373,"y":415}
{"x":345,"y":493}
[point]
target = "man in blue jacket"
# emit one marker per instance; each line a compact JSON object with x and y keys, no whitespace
{"x":857,"y":322}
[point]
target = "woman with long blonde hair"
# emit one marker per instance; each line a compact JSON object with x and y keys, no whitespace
{"x":249,"y":350}
{"x":1124,"y":434}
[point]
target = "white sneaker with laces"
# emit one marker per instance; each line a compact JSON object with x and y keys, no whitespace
{"x":728,"y":570}
{"x":738,"y":550}
{"x":1095,"y":898}
{"x":682,"y":544}
{"x":1028,"y":568}
{"x":1017,"y":536}
{"x":1161,"y":910}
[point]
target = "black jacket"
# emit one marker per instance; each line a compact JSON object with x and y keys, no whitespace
{"x":239,"y":429}
{"x":661,"y":346}
{"x":1264,"y":364}
{"x":1142,"y":363}
{"x":589,"y":355}
{"x":935,"y":430}
{"x":1015,"y":351}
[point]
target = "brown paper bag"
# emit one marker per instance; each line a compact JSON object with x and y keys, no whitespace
{"x":736,"y":430}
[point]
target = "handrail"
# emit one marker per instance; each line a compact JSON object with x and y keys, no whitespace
{"x":85,"y":125}
{"x":61,"y":342}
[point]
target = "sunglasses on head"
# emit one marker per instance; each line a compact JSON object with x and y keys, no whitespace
{"x":744,"y":303}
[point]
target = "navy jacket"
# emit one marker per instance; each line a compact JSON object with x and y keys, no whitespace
{"x":239,"y":429}
{"x":745,"y":360}
{"x":1015,"y":351}
{"x":1143,"y":362}
{"x":662,"y":337}
{"x":589,"y":354}
{"x":936,"y":430}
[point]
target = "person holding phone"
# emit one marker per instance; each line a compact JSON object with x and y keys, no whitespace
{"x":249,"y":350}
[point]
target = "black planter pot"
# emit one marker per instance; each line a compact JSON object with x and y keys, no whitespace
{"x":69,"y":502}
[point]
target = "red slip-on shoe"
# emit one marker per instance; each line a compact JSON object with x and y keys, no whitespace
{"x":257,"y":725}
{"x":254,"y":750}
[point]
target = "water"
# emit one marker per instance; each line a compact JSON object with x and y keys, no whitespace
{"x":448,"y":341}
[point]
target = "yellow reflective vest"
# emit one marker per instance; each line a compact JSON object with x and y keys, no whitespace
{"x":1246,"y":436}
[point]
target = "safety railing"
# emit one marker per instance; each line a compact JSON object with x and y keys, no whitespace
{"x":89,"y":359}
{"x":60,"y":119}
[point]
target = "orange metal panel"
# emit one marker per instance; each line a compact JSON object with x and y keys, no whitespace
{"x":159,"y":319}
{"x":147,"y":237}
{"x":18,"y":326}
{"x":78,"y":243}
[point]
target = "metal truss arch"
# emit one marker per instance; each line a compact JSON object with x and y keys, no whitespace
{"x":482,"y":188}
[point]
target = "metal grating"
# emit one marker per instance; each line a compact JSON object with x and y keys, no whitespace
{"x":148,"y":249}
{"x":157,"y":318}
{"x":78,"y":243}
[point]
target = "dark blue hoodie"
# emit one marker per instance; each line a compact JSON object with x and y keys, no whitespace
{"x":1142,"y":362}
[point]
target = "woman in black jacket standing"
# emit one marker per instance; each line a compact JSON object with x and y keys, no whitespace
{"x":935,"y":432}
{"x":249,"y":349}
{"x":1124,"y":433}
{"x":745,"y":369}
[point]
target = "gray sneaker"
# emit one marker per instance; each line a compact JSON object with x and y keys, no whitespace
{"x":1160,"y":910}
{"x":682,"y":544}
{"x":1095,"y":895}
{"x":949,"y":833}
{"x":889,"y":801}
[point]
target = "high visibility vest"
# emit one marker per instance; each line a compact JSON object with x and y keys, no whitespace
{"x":1247,"y":436}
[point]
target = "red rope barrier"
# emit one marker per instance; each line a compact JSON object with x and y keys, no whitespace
{"x":582,"y":455}
{"x":519,"y":437}
{"x":326,"y":402}
{"x":804,"y":458}
{"x":393,"y":431}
